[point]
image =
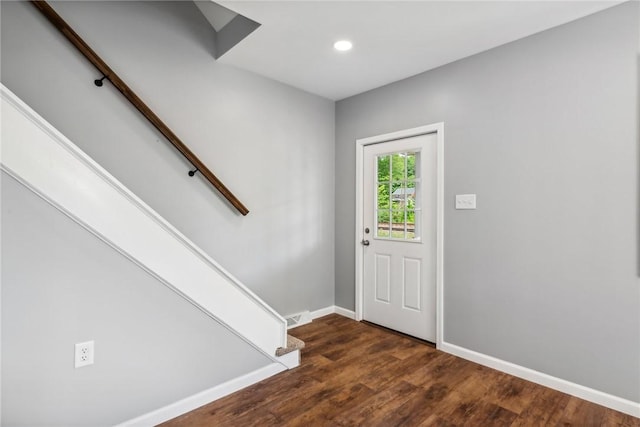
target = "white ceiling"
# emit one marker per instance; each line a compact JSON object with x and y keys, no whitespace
{"x":392,"y":39}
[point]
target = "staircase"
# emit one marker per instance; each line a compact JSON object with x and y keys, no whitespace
{"x":47,"y":163}
{"x":293,"y":344}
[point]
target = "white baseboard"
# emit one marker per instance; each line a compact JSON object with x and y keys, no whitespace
{"x":298,"y":319}
{"x":331,"y":310}
{"x":346,"y":313}
{"x":323,"y":312}
{"x":199,"y":399}
{"x":586,"y":393}
{"x":290,"y":360}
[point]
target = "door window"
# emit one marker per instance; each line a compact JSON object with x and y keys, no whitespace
{"x":398,"y":204}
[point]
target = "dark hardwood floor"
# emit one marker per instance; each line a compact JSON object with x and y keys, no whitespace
{"x":356,"y":374}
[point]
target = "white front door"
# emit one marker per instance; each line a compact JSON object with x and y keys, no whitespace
{"x":399,"y":234}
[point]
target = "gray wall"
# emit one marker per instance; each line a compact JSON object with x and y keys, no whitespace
{"x":62,"y":285}
{"x":544,"y":130}
{"x":272,"y":145}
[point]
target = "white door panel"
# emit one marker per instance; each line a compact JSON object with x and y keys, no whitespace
{"x":399,"y":233}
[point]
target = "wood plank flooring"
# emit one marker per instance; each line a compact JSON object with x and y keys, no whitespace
{"x":356,"y":374}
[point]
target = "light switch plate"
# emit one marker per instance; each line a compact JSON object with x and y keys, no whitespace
{"x":465,"y":201}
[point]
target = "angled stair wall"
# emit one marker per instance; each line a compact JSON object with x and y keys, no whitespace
{"x":46,"y":162}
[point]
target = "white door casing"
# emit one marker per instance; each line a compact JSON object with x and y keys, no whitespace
{"x":399,"y":280}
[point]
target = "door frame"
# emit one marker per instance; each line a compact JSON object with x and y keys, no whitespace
{"x":438,"y":129}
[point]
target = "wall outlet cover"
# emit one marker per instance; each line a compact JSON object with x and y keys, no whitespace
{"x":84,"y":354}
{"x":465,"y":201}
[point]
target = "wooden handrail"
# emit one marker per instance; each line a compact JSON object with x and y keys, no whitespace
{"x":117,"y":82}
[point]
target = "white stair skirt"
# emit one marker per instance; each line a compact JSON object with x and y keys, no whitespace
{"x":47,"y":163}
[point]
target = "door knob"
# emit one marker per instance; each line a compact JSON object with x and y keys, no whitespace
{"x":365,"y":242}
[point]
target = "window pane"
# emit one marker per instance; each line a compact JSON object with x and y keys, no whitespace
{"x":397,"y":204}
{"x":383,"y":168}
{"x":411,"y":224}
{"x":411,"y":165}
{"x":410,"y":192}
{"x":397,"y":195}
{"x":398,"y":167}
{"x":397,"y":224}
{"x":416,"y":173}
{"x":383,"y":196}
{"x":382,"y":229}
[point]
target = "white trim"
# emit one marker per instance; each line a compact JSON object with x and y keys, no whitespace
{"x":438,"y":129}
{"x":358,"y":247}
{"x":586,"y":393}
{"x":290,"y":360}
{"x":323,"y":312}
{"x":197,"y":400}
{"x":440,"y":238}
{"x":303,"y":318}
{"x":50,"y":165}
{"x":346,"y":313}
{"x":331,"y":310}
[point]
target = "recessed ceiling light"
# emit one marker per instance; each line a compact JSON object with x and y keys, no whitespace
{"x":343,"y":45}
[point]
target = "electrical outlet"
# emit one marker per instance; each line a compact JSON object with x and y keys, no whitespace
{"x":84,"y":354}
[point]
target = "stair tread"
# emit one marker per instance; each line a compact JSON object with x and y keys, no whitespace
{"x":293,"y":344}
